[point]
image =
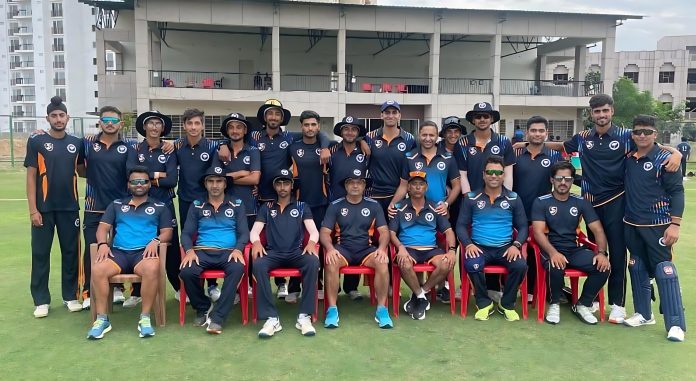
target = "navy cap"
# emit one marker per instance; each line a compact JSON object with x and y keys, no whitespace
{"x":390,"y":103}
{"x":282,"y":174}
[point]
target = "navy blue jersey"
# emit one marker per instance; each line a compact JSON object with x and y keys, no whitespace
{"x":685,"y":149}
{"x":309,"y":173}
{"x":135,"y":226}
{"x":247,"y":159}
{"x":341,"y":165}
{"x":439,"y":172}
{"x":531,"y":174}
{"x":284,"y":227}
{"x":472,"y":158}
{"x":491,"y":221}
{"x":563,"y":219}
{"x":107,"y":172}
{"x":221,"y":228}
{"x":193,"y":162}
{"x":155,"y":160}
{"x":418,"y":229}
{"x":354,"y":224}
{"x":387,"y":160}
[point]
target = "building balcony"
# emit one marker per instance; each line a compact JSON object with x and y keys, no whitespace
{"x":59,"y":81}
{"x":59,"y":64}
{"x":24,"y":114}
{"x":57,"y":13}
{"x":465,"y":86}
{"x":22,"y":81}
{"x":23,"y":98}
{"x":23,"y":65}
{"x":22,"y":48}
{"x":57,"y":30}
{"x":378,"y":84}
{"x":58,"y":48}
{"x":20,"y":13}
{"x":549,"y":88}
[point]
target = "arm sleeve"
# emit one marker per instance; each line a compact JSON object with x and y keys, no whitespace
{"x":263,"y":212}
{"x":132,"y":159}
{"x":464,"y":221}
{"x":255,"y":160}
{"x":31,"y":158}
{"x":172,"y":172}
{"x":459,"y":157}
{"x":165,"y":219}
{"x":571,"y":145}
{"x":672,"y":181}
{"x":452,"y":170}
{"x":329,"y":217}
{"x":394,"y":223}
{"x":242,"y":228}
{"x":405,"y":170}
{"x":537,"y":212}
{"x":442,"y":223}
{"x":307,"y":213}
{"x":190,"y":229}
{"x":379,"y":219}
{"x":324,"y":140}
{"x":509,"y":155}
{"x":588,"y":212}
{"x":520,"y":221}
{"x":109,"y":215}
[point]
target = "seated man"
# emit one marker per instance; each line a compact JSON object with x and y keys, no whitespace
{"x":219,"y":228}
{"x":493,"y":212}
{"x":556,"y":219}
{"x":413,"y":232}
{"x":285,"y":221}
{"x":354,"y":218}
{"x":139,"y":225}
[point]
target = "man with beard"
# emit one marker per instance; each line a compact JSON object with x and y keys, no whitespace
{"x":52,"y":162}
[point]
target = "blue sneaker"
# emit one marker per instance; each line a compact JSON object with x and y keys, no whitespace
{"x":382,"y":318}
{"x":99,"y":328}
{"x":145,"y":328}
{"x":331,"y":320}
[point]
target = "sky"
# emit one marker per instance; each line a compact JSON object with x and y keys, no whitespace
{"x":661,"y":17}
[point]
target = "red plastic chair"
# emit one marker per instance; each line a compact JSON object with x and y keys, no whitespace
{"x":573,"y":274}
{"x":491,"y":269}
{"x":420,"y":268}
{"x":401,"y":88}
{"x":366,"y":87}
{"x":284,"y":272}
{"x":219,"y":274}
{"x":208,"y":83}
{"x":386,"y":87}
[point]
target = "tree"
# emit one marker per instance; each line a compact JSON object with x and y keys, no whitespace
{"x":629,"y":102}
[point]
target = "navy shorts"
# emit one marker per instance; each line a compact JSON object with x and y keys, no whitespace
{"x":355,"y":257}
{"x":424,"y":255}
{"x":126,"y":260}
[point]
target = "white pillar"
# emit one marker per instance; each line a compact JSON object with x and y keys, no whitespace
{"x":341,"y":53}
{"x":496,"y":49}
{"x":275,"y":50}
{"x":609,"y":60}
{"x":142,"y":59}
{"x":580,"y":69}
{"x":433,"y":112}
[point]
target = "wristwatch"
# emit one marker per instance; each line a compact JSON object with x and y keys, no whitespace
{"x":517,"y":244}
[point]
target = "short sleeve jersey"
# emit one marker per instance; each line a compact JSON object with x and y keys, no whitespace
{"x":155,"y":160}
{"x":354,"y":224}
{"x":135,"y":226}
{"x":472,"y":157}
{"x":284,"y":228}
{"x":216,"y":229}
{"x":685,"y":149}
{"x":274,"y":157}
{"x":418,"y":230}
{"x":563,"y":218}
{"x":531,"y":174}
{"x":439,"y":172}
{"x":492,"y":221}
{"x":387,"y":160}
{"x":309,"y":173}
{"x":107,"y":172}
{"x":247,"y":159}
{"x":342,"y":165}
{"x":193,"y":161}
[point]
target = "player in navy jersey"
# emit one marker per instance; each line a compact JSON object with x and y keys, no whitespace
{"x":685,"y":149}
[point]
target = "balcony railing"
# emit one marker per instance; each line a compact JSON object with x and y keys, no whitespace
{"x":373,"y":84}
{"x":57,"y":30}
{"x":24,"y":98}
{"x":207,"y":80}
{"x":301,"y":82}
{"x":59,"y":64}
{"x":21,"y":47}
{"x":59,"y":81}
{"x":58,"y":48}
{"x":22,"y":81}
{"x":22,"y":64}
{"x":549,"y":88}
{"x":24,"y":114}
{"x":464,"y":86}
{"x":19,"y":13}
{"x":57,"y":13}
{"x":690,"y":115}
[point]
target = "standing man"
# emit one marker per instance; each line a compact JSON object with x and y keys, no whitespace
{"x":492,"y":213}
{"x":685,"y":149}
{"x":52,"y":162}
{"x":556,"y":219}
{"x":219,"y":226}
{"x":654,"y":206}
{"x":353,"y":220}
{"x":285,"y":221}
{"x":451,"y":133}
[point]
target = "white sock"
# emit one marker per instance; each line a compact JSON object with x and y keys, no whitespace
{"x":421,"y":294}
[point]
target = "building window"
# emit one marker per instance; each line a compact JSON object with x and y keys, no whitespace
{"x":61,"y":92}
{"x":633,"y":76}
{"x":59,"y":61}
{"x":58,"y":44}
{"x":56,"y":9}
{"x":57,"y":27}
{"x":561,"y":130}
{"x":666,"y":77}
{"x":560,"y":79}
{"x":59,"y":78}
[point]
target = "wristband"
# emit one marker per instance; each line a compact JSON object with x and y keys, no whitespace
{"x":101,"y":243}
{"x":516,"y":244}
{"x":674,"y":223}
{"x":157,"y":239}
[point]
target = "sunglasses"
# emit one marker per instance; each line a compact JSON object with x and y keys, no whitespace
{"x":644,"y":131}
{"x":494,"y":172}
{"x":482,"y":116}
{"x":560,"y":179}
{"x":138,"y":181}
{"x":110,"y":119}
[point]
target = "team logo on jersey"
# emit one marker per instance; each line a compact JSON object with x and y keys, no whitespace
{"x":344,"y":212}
{"x":545,"y":163}
{"x":48,"y":146}
{"x":300,"y":152}
{"x":476,"y":266}
{"x":647,"y":166}
{"x":317,"y":151}
{"x":360,"y":158}
{"x":495,"y":150}
{"x":589,"y":145}
{"x":504,"y":204}
{"x":262,"y":146}
{"x":472,"y":151}
{"x":229,"y":212}
{"x":162,"y":159}
{"x":206,"y":213}
{"x":246,"y":160}
{"x":205,"y":156}
{"x":365,"y":212}
{"x":669,"y":270}
{"x":125,"y":208}
{"x":614,"y":145}
{"x":441,"y":165}
{"x":218,"y":170}
{"x":574,"y":211}
{"x":274,"y":213}
{"x":150,"y":210}
{"x":71,"y":148}
{"x":401,"y":146}
{"x":481,"y":204}
{"x":294,"y":213}
{"x":419,"y":165}
{"x":408,"y":216}
{"x":120,"y":149}
{"x":77,"y":223}
{"x":141,"y":157}
{"x":97,"y":147}
{"x":283,"y":145}
{"x":378,"y":143}
{"x":553,"y":210}
{"x":174,"y":222}
{"x":429,"y":217}
{"x":661,"y":241}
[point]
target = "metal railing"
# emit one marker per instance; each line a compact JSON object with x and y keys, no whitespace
{"x":375,"y":84}
{"x":21,"y":47}
{"x":59,"y":64}
{"x":549,"y":88}
{"x":57,"y":30}
{"x":58,"y":47}
{"x":59,"y":81}
{"x":24,"y":98}
{"x":19,"y":13}
{"x":15,"y":65}
{"x":464,"y":86}
{"x":23,"y":114}
{"x":57,"y":13}
{"x":22,"y":81}
{"x":209,"y":80}
{"x":303,"y":82}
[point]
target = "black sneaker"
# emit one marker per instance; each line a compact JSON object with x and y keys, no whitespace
{"x":443,"y":295}
{"x":201,"y":319}
{"x":410,"y":304}
{"x":422,"y":305}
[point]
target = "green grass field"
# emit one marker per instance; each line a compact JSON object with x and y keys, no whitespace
{"x":440,"y":347}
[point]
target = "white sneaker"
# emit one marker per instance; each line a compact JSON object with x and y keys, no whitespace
{"x":320,"y":294}
{"x":270,"y":327}
{"x":132,"y":301}
{"x":176,"y":296}
{"x":617,"y":315}
{"x":595,"y":307}
{"x":638,"y":320}
{"x":553,"y":315}
{"x":292,"y":297}
{"x":86,"y":304}
{"x":282,"y":291}
{"x":73,"y":305}
{"x":214,"y":293}
{"x":304,"y":324}
{"x":118,"y":296}
{"x":41,"y":311}
{"x":495,"y":296}
{"x":530,"y":298}
{"x":584,"y":314}
{"x":250,"y":292}
{"x":675,"y":334}
{"x":355,"y":295}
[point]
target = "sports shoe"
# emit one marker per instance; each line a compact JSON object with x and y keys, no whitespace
{"x":213,"y":293}
{"x":355,"y":295}
{"x":675,"y":334}
{"x":99,"y":328}
{"x":177,"y":297}
{"x":73,"y":305}
{"x":201,"y":319}
{"x":443,"y":295}
{"x":583,"y":313}
{"x":270,"y":327}
{"x":382,"y":318}
{"x":282,"y":291}
{"x":422,"y":305}
{"x":553,"y":315}
{"x":410,"y":304}
{"x":292,"y":297}
{"x":595,"y":307}
{"x":237,"y":298}
{"x":638,"y":320}
{"x":304,"y":324}
{"x":132,"y":301}
{"x":214,"y":328}
{"x":495,"y":296}
{"x":86,"y":304}
{"x":41,"y":311}
{"x":145,"y":327}
{"x":617,"y":315}
{"x":510,"y":315}
{"x":118,"y":296}
{"x":331,"y":320}
{"x":484,"y":313}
